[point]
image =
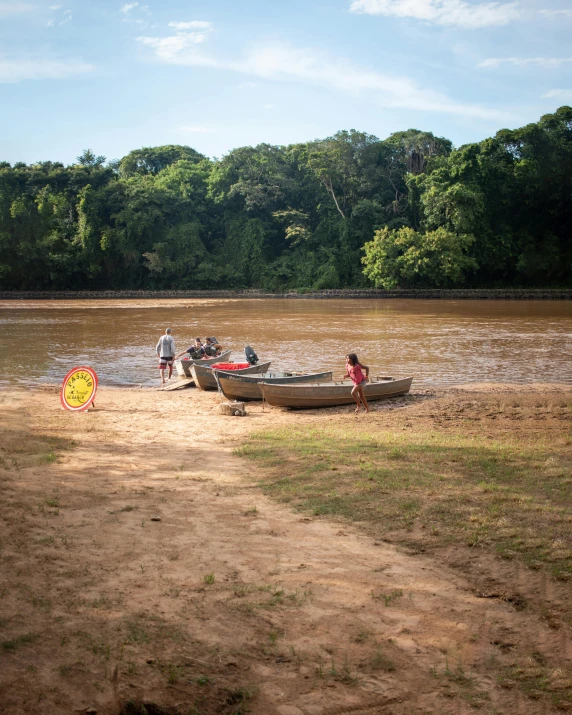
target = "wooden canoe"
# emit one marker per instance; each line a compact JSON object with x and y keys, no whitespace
{"x":330,"y":394}
{"x":183,"y":367}
{"x":247,"y":387}
{"x":205,"y":379}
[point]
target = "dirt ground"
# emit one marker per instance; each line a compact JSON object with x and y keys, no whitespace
{"x":140,"y":564}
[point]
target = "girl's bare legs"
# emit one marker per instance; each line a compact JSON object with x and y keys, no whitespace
{"x":362,"y":395}
{"x":355,"y":395}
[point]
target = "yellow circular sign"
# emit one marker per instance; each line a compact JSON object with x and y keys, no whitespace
{"x":78,"y":389}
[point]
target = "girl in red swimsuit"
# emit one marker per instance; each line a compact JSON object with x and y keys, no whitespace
{"x":355,"y":373}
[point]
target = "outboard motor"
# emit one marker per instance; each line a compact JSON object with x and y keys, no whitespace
{"x":251,"y":356}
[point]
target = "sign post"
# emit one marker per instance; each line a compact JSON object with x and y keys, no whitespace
{"x":78,"y":389}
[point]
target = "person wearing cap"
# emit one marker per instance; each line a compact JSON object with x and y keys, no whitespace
{"x":166,"y":353}
{"x":212,"y":347}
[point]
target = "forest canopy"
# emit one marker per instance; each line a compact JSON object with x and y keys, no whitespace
{"x":347,"y":211}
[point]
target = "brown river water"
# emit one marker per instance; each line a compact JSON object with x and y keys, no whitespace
{"x":439,"y":342}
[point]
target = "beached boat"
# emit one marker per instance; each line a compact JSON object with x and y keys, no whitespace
{"x":204,"y":375}
{"x":333,"y":393}
{"x":247,"y":387}
{"x":183,"y":367}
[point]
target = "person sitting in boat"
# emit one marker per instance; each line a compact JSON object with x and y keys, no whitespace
{"x":212,"y":347}
{"x":195,"y":352}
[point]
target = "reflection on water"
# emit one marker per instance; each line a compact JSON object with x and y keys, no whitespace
{"x":438,"y":342}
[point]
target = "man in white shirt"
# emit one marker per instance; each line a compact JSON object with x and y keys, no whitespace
{"x":166,"y":353}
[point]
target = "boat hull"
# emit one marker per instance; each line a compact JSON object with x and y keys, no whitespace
{"x":330,"y":395}
{"x":205,"y":379}
{"x":183,"y":367}
{"x":247,"y":387}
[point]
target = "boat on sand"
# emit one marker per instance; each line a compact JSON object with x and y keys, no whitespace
{"x":330,"y":394}
{"x":204,"y":374}
{"x":247,"y":387}
{"x":183,"y":367}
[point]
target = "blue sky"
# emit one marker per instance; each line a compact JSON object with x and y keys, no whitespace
{"x":116,"y":76}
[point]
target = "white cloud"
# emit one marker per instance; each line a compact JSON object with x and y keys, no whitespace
{"x":178,"y":49}
{"x":193,"y":25}
{"x":269,"y":106}
{"x":555,"y":13}
{"x":135,"y":14}
{"x":61,"y":18}
{"x":285,"y":63}
{"x":8,"y":9}
{"x":185,"y":38}
{"x":18,"y":70}
{"x":564,"y":94}
{"x":131,"y":8}
{"x":126,"y":9}
{"x":458,"y":13}
{"x":546,"y":62}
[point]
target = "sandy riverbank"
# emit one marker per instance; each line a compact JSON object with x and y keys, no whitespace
{"x":141,"y":563}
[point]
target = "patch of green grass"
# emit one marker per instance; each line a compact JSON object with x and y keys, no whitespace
{"x":361,"y":636}
{"x":381,"y":661}
{"x":387,"y":598}
{"x":25,"y":447}
{"x":279,"y":597}
{"x":500,"y":493}
{"x":136,"y":633}
{"x":209,"y":579}
{"x":68,"y":669}
{"x":238,"y":698}
{"x":342,"y":674}
{"x":150,"y":628}
{"x":41,"y":602}
{"x":276,"y":597}
{"x":457,"y":683}
{"x":14,"y":643}
{"x":539,"y":681}
{"x":100,"y":602}
{"x":273,"y":636}
{"x":101,"y":649}
{"x":174,"y":673}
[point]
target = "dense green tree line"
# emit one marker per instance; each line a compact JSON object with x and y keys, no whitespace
{"x":347,"y":211}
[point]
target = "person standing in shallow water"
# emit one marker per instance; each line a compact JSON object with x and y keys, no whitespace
{"x":355,"y":373}
{"x":166,"y":353}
